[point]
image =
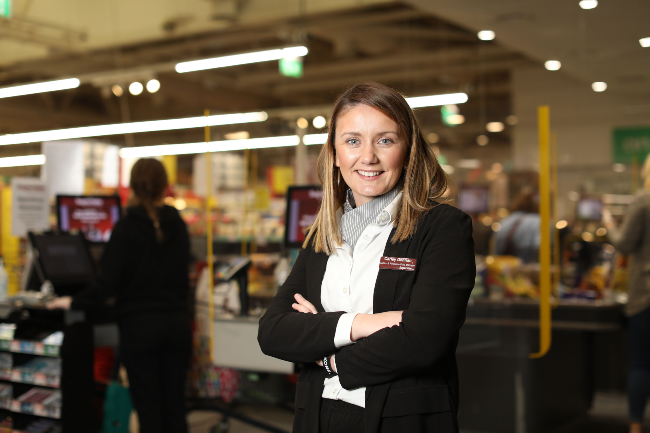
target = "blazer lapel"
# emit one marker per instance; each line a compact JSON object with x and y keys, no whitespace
{"x":319,"y":261}
{"x":386,"y":284}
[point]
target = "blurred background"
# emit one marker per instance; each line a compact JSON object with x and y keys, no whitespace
{"x":88,"y":88}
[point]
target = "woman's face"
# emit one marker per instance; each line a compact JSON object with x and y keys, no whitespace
{"x":370,"y":151}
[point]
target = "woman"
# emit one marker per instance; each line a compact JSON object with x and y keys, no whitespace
{"x":374,"y":302}
{"x":519,"y":235}
{"x":633,"y":238}
{"x":145,"y":267}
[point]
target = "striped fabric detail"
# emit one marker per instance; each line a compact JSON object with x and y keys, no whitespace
{"x":355,"y":220}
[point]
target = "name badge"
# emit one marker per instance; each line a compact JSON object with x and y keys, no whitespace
{"x":397,"y":263}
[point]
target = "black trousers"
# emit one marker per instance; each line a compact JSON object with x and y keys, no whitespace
{"x":155,"y":348}
{"x":337,"y":416}
{"x":638,"y":388}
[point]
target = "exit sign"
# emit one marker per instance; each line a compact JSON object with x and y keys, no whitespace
{"x":291,"y":67}
{"x":5,"y":8}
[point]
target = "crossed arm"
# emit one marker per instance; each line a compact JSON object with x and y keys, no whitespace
{"x":363,"y":325}
{"x":383,"y":352}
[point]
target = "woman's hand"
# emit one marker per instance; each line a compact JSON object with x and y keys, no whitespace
{"x":62,"y":303}
{"x":365,"y":325}
{"x":303,"y":305}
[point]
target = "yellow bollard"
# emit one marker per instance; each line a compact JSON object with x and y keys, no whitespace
{"x":545,"y":245}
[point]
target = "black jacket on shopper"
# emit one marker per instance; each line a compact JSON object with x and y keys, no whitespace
{"x":409,"y":371}
{"x":141,"y":273}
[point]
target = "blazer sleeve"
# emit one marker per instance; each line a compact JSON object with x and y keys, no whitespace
{"x":292,"y":336}
{"x":628,"y":238}
{"x":436,"y":312}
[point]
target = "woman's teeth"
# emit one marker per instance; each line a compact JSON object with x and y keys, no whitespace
{"x":369,"y":173}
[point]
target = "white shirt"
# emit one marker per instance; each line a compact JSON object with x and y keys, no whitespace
{"x":349,"y":285}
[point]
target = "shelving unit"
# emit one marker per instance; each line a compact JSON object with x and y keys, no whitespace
{"x":47,"y":375}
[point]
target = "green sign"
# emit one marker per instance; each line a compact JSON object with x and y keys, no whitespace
{"x":5,"y":8}
{"x":447,"y":112}
{"x":629,"y":143}
{"x":290,"y":67}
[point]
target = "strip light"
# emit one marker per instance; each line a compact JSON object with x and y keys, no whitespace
{"x":213,"y":146}
{"x":47,"y":86}
{"x":21,"y":161}
{"x":132,"y":128}
{"x":241,"y":59}
{"x":435,"y":100}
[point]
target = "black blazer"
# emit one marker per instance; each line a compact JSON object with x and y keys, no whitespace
{"x":409,"y":371}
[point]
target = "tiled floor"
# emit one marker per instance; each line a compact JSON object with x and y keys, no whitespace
{"x":608,"y":415}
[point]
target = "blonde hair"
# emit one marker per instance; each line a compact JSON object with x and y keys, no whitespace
{"x":424,"y":178}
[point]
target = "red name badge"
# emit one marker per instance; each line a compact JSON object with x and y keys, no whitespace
{"x":397,"y":263}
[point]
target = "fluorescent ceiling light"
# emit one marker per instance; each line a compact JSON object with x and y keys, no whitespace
{"x":599,"y":86}
{"x":435,"y":100}
{"x":21,"y":161}
{"x":486,"y":35}
{"x":553,"y":65}
{"x":311,"y":139}
{"x":132,"y":128}
{"x":241,"y":59}
{"x":588,"y":4}
{"x":213,"y":146}
{"x":645,"y":42}
{"x":47,"y":86}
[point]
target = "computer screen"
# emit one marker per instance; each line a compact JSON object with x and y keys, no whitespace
{"x":303,"y":203}
{"x":473,"y":199}
{"x":590,"y":209}
{"x":94,"y":216}
{"x":64,"y":259}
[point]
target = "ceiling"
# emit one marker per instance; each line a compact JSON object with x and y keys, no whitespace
{"x":600,"y":44}
{"x":389,"y":42}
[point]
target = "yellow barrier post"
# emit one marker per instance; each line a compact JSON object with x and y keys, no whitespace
{"x":244,"y":238}
{"x":556,"y":231}
{"x":208,"y":232}
{"x":543,"y":116}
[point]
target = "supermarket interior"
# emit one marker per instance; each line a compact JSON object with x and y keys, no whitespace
{"x":538,"y":111}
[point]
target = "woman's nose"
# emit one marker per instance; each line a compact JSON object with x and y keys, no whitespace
{"x":368,"y":155}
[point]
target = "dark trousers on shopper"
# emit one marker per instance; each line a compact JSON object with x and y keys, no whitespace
{"x":155,"y":348}
{"x":639,"y":375}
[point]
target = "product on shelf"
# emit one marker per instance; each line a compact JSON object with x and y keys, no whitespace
{"x":6,"y":360}
{"x":44,"y":366}
{"x":7,"y":331}
{"x":6,"y":390}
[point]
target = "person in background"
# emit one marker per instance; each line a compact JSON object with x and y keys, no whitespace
{"x":379,"y":291}
{"x":519,"y":234}
{"x":633,"y":238}
{"x":145,"y":268}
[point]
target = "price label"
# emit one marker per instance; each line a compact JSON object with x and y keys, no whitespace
{"x":40,"y":379}
{"x":39,"y":349}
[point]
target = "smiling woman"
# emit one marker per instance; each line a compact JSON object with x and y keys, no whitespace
{"x":375,"y":300}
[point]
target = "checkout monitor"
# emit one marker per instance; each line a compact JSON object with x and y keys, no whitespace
{"x":303,"y":203}
{"x":64,"y":260}
{"x":94,"y":216}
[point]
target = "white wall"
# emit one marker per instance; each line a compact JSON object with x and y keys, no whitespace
{"x":583,"y":120}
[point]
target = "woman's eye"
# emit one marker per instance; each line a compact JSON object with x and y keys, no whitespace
{"x":385,"y":141}
{"x":353,"y":141}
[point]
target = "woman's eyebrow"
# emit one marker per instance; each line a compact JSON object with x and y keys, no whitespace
{"x":355,"y":133}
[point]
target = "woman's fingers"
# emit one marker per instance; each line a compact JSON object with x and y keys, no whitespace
{"x":301,"y":308}
{"x":305,"y":303}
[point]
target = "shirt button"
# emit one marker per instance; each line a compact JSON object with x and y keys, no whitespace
{"x":365,"y":237}
{"x":336,"y":390}
{"x":345,"y":290}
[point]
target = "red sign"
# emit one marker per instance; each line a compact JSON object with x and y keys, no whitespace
{"x":95,"y":217}
{"x":302,"y":212}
